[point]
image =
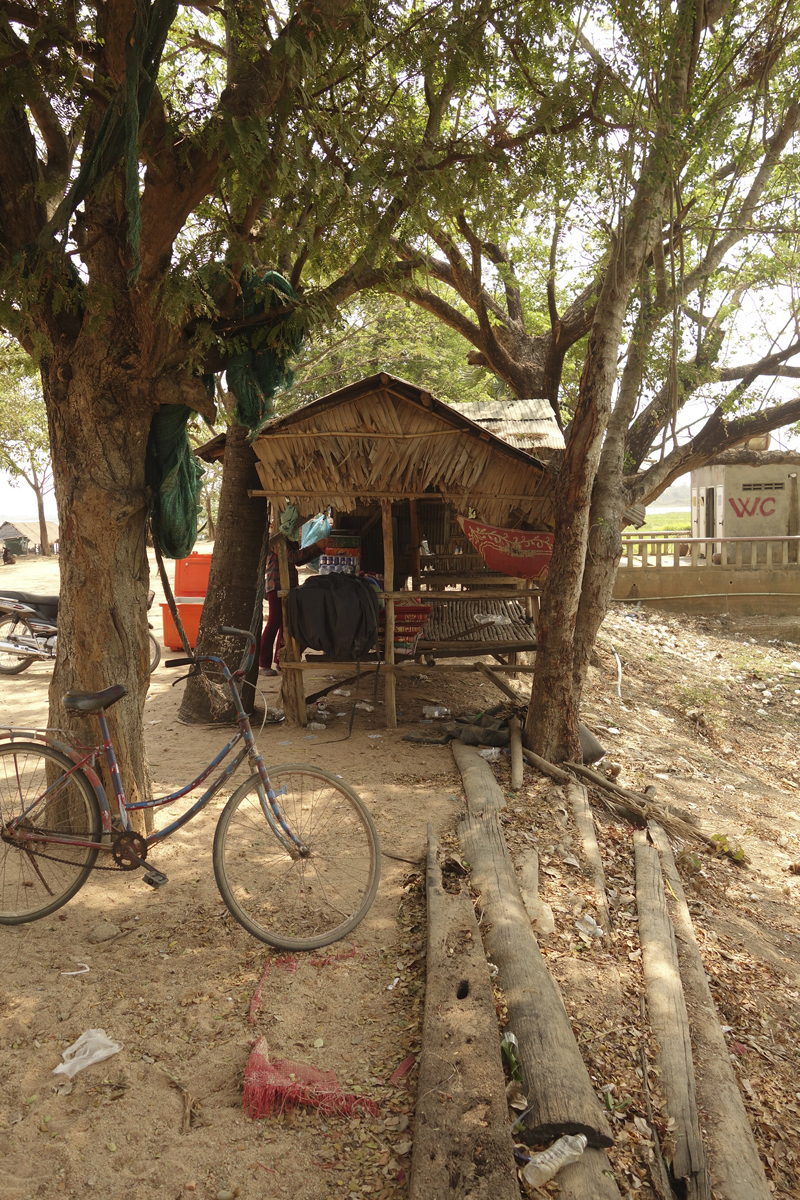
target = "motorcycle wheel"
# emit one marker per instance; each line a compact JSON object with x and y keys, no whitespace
{"x":155,"y":654}
{"x":10,"y":625}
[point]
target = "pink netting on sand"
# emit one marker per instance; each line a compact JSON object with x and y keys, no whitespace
{"x":271,"y":1087}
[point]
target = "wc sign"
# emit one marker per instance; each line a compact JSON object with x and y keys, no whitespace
{"x":753,"y":506}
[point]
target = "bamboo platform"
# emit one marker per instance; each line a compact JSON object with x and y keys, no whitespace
{"x":453,"y":626}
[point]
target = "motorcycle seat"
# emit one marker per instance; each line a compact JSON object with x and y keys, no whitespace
{"x":31,"y":598}
{"x":89,"y":702}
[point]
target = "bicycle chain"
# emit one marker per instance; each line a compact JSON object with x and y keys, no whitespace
{"x":70,"y":862}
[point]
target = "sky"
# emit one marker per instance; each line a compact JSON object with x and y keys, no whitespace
{"x":18,"y":502}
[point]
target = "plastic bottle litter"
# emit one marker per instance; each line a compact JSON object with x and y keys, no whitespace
{"x":547,"y":1163}
{"x":587,"y":924}
{"x":490,"y":753}
{"x":91,"y":1047}
{"x":362,"y":704}
{"x":436,"y":712}
{"x":316,"y":725}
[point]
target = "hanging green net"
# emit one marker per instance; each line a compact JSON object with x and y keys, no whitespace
{"x":260,"y":365}
{"x":174,"y":474}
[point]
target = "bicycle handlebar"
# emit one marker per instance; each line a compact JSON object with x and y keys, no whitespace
{"x":249,"y":654}
{"x":247,"y":658}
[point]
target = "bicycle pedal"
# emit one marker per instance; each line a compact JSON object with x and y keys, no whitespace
{"x":155,"y":878}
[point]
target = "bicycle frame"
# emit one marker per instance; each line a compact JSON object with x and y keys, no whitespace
{"x":84,"y":756}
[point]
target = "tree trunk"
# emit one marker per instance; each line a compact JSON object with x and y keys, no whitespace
{"x":551,"y":725}
{"x":599,"y":573}
{"x":233,"y":582}
{"x":99,"y":422}
{"x":44,"y":541}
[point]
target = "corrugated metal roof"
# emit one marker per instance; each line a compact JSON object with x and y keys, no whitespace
{"x":528,"y":424}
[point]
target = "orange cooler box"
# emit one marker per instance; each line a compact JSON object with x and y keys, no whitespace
{"x":189,"y":611}
{"x":191,"y":575}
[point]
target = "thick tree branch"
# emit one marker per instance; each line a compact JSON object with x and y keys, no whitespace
{"x":716,"y":437}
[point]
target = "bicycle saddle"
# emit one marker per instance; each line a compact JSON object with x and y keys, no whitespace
{"x":89,"y":702}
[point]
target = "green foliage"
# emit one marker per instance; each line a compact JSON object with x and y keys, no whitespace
{"x":24,"y":441}
{"x":383,"y":333}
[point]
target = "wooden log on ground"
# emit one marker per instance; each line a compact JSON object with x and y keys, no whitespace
{"x":516,"y":753}
{"x":556,"y":1079}
{"x":462,"y":1136}
{"x":734,"y":1163}
{"x":670,"y":1022}
{"x":482,"y":789}
{"x":546,"y":768}
{"x":579,"y":801}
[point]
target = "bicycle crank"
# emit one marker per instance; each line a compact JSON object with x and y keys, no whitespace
{"x":130,"y":851}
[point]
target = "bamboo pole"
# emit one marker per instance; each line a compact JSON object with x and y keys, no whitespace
{"x":390,"y":683}
{"x":415,"y":564}
{"x":294,"y":699}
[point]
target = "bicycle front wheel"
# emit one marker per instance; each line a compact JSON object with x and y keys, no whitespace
{"x":38,"y":877}
{"x":304,"y":902}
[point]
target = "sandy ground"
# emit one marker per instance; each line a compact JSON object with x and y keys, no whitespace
{"x":176,"y":987}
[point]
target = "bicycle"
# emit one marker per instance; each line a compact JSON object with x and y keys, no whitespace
{"x":297,"y":875}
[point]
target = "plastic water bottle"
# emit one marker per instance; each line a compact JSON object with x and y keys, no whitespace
{"x":323,"y":564}
{"x":547,"y":1163}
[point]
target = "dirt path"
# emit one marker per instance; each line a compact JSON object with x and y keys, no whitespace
{"x":176,"y":987}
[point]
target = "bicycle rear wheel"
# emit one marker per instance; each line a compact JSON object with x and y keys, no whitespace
{"x":11,"y":628}
{"x":37,"y":879}
{"x":305,"y":902}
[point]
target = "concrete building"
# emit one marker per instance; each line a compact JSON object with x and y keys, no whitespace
{"x":744,"y":500}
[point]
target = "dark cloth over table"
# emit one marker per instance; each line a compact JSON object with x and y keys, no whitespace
{"x":337,"y":614}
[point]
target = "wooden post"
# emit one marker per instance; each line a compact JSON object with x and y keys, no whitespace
{"x":415,"y":571}
{"x":390,"y":683}
{"x":292,"y":686}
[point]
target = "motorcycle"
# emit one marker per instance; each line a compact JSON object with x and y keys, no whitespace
{"x":28,"y":631}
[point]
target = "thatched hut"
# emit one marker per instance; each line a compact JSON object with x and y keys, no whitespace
{"x":395,"y":463}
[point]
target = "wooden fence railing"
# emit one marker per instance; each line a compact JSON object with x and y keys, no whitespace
{"x":674,"y":550}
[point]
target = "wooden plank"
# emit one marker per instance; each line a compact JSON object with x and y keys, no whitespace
{"x":670,"y":1022}
{"x":462,"y":1142}
{"x":390,"y":683}
{"x":734,"y":1176}
{"x":579,"y":801}
{"x":504,"y":687}
{"x":516,"y":753}
{"x":555,"y":1077}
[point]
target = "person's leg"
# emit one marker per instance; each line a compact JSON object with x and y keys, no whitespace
{"x":270,"y":630}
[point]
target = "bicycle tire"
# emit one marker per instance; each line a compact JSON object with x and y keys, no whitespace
{"x":12,"y":664}
{"x":155,"y":653}
{"x":304,"y":903}
{"x":32,"y":885}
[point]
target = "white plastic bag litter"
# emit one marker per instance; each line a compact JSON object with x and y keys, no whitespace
{"x":91,"y":1047}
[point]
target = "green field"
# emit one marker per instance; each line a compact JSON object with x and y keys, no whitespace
{"x":665,"y":521}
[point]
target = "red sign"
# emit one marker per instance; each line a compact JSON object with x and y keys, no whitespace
{"x":750,"y":507}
